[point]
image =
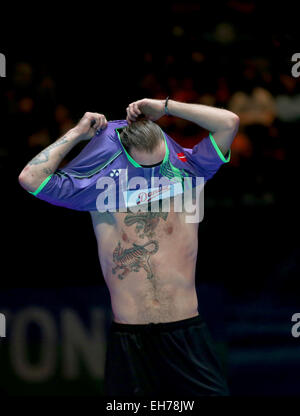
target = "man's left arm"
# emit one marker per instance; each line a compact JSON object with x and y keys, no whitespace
{"x":222,"y":124}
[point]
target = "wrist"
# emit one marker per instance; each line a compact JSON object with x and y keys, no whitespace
{"x":171,"y":107}
{"x":165,"y":105}
{"x":75,"y":135}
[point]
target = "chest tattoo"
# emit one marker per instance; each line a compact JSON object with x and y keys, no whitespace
{"x":146,"y":222}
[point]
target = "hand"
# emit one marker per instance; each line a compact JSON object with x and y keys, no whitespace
{"x":151,"y":109}
{"x":89,"y":124}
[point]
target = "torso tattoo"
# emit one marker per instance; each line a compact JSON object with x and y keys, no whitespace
{"x":137,"y":257}
{"x":146,"y":222}
{"x":134,"y":258}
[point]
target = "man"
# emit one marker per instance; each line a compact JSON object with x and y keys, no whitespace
{"x":158,"y":343}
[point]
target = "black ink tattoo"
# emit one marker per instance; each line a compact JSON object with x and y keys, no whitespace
{"x":134,"y":258}
{"x":146,"y":222}
{"x":43,"y":156}
{"x":48,"y":171}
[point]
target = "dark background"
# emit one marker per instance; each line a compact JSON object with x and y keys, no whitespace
{"x":230,"y":54}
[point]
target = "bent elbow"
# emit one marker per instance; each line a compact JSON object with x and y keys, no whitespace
{"x":22,"y":179}
{"x":25,"y":182}
{"x":233,"y":122}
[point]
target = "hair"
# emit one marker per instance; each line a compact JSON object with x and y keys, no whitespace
{"x":142,"y":134}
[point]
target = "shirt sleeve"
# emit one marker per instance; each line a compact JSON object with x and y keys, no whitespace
{"x":207,"y":157}
{"x":59,"y":189}
{"x":74,"y":186}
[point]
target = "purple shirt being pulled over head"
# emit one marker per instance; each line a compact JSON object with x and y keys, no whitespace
{"x":104,"y":168}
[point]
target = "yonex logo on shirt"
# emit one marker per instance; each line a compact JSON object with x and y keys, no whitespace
{"x":115,"y":173}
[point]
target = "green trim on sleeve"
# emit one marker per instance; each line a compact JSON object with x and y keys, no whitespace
{"x":41,"y":185}
{"x":220,"y":154}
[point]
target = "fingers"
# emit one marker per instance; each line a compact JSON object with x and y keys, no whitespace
{"x":136,"y":109}
{"x":96,"y":121}
{"x":102,"y":124}
{"x":133,"y":112}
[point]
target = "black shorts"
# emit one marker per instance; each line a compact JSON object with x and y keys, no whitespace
{"x":163,"y":359}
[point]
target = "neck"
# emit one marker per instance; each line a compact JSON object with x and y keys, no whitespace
{"x":151,"y":166}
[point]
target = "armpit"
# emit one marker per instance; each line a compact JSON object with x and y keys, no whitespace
{"x":102,"y":218}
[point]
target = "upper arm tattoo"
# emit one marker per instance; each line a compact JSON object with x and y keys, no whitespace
{"x":48,"y":171}
{"x":43,"y":156}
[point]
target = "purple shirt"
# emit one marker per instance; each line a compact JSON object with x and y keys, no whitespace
{"x":104,"y":167}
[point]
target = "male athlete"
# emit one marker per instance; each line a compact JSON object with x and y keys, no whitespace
{"x":158,"y":343}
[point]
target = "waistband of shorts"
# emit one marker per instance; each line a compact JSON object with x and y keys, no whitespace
{"x":160,"y":326}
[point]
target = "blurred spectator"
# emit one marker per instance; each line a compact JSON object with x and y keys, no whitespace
{"x":63,"y":119}
{"x":199,"y":65}
{"x":256,"y":108}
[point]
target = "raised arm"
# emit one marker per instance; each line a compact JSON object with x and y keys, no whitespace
{"x":47,"y":161}
{"x":223,"y":124}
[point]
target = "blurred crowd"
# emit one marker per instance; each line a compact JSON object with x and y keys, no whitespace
{"x":219,"y":65}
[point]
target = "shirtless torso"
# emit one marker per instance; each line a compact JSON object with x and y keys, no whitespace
{"x":148,"y":260}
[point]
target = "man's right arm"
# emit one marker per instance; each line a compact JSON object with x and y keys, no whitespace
{"x":47,"y":161}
